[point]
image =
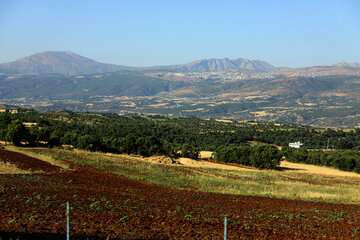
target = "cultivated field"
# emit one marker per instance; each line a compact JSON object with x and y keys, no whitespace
{"x":127,"y":197}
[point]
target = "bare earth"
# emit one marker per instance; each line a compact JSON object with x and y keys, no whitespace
{"x":8,"y":168}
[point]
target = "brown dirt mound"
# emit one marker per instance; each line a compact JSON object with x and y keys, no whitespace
{"x":25,"y":162}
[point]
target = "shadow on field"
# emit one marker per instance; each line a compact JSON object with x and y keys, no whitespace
{"x":289,"y":169}
{"x":43,"y":236}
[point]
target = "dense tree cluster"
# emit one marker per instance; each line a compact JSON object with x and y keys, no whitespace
{"x":132,"y":135}
{"x":260,"y":156}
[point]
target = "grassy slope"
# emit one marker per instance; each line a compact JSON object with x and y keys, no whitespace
{"x":275,"y":184}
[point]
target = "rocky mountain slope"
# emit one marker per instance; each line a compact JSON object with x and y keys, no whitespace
{"x":225,"y":64}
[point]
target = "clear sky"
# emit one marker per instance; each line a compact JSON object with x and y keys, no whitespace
{"x":152,"y":32}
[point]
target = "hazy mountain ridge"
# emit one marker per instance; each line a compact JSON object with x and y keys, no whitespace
{"x":69,"y":63}
{"x":345,"y":64}
{"x":225,"y":64}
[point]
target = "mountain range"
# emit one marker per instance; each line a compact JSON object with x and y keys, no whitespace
{"x":69,"y":63}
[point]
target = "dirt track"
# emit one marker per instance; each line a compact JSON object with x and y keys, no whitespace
{"x":106,"y":205}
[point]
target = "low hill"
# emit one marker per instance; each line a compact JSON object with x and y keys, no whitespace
{"x":332,"y":69}
{"x":346,"y":64}
{"x":80,"y":87}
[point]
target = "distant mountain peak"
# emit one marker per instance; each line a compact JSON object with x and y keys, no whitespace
{"x":62,"y":62}
{"x":226,"y":64}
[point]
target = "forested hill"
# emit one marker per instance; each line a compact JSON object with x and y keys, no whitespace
{"x":57,"y":86}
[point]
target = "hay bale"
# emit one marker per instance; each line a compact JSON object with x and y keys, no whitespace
{"x":163,"y":160}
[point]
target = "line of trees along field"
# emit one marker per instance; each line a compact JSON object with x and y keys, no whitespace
{"x":343,"y":160}
{"x":171,"y":136}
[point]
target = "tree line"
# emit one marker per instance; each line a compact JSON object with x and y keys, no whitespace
{"x":171,"y":136}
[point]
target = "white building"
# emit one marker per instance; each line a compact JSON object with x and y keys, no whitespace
{"x":295,"y":145}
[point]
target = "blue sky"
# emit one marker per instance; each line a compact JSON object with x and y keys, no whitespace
{"x":146,"y":33}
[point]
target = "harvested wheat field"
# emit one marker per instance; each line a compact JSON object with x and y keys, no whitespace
{"x":105,"y":205}
{"x":312,"y":169}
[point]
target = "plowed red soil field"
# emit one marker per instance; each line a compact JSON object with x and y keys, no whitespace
{"x":107,"y":206}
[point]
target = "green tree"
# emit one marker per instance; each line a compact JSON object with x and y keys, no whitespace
{"x":17,"y":133}
{"x":189,"y":151}
{"x":89,"y":142}
{"x":128,"y":144}
{"x":70,"y":138}
{"x":265,"y":156}
{"x":345,"y":144}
